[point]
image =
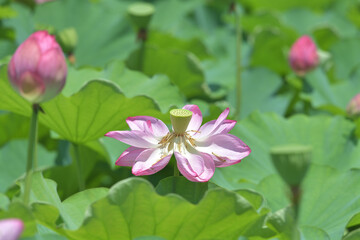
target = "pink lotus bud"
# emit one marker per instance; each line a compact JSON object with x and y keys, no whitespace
{"x":353,"y":108}
{"x":38,"y":69}
{"x":303,"y":55}
{"x":42,"y":1}
{"x":11,"y":229}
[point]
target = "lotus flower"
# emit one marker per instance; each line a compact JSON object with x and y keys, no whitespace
{"x":303,"y":56}
{"x":11,"y":229}
{"x":353,"y":108}
{"x":38,"y":69}
{"x":197,"y":149}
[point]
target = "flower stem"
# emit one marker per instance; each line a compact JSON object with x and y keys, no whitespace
{"x":238,"y":59}
{"x":292,"y":103}
{"x":81,"y":182}
{"x":31,"y":157}
{"x":142,"y":36}
{"x":295,"y":198}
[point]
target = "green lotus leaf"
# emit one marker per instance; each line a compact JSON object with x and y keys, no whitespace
{"x":322,"y":185}
{"x":183,"y":68}
{"x":332,"y":97}
{"x":4,"y":201}
{"x":353,"y":235}
{"x":44,"y":195}
{"x":191,"y":191}
{"x":131,"y":83}
{"x":133,"y":209}
{"x":13,"y":157}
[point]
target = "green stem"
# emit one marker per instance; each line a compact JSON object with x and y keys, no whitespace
{"x":31,"y":157}
{"x":79,"y":169}
{"x":142,"y":36}
{"x":176,"y":170}
{"x":307,"y":107}
{"x":238,"y":60}
{"x":296,"y":195}
{"x":292,"y":103}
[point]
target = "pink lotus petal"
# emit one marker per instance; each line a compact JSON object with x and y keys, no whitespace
{"x":21,"y":60}
{"x":45,"y":41}
{"x":225,"y":149}
{"x":127,"y":158}
{"x":196,"y":118}
{"x":353,"y":107}
{"x":211,"y":127}
{"x":52,"y":67}
{"x":223,"y":128}
{"x":150,"y":161}
{"x":11,"y":229}
{"x":157,"y":127}
{"x":195,"y":166}
{"x":134,"y":138}
{"x":42,"y":1}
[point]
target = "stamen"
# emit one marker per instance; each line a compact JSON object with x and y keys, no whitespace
{"x":190,"y":139}
{"x":194,"y":131}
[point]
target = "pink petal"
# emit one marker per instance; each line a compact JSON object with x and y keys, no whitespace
{"x":45,"y":40}
{"x":42,"y":1}
{"x":224,"y":127}
{"x":26,"y":57}
{"x":11,"y":229}
{"x":196,"y":118}
{"x":14,"y":79}
{"x":150,"y":161}
{"x":225,"y":149}
{"x":127,"y":158}
{"x":52,"y":68}
{"x":141,"y":123}
{"x":195,"y":166}
{"x":134,"y":138}
{"x":212,"y":127}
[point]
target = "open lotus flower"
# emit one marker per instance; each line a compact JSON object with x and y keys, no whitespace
{"x":11,"y":229}
{"x":303,"y":55}
{"x":198,"y":149}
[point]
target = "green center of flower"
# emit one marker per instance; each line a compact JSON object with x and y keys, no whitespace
{"x":180,"y":119}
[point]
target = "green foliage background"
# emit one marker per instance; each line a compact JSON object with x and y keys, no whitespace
{"x":188,"y":57}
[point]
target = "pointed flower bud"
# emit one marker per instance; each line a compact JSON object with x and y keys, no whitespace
{"x":11,"y":229}
{"x":38,"y":69}
{"x":68,"y":39}
{"x":303,"y":55}
{"x":353,"y":108}
{"x":42,"y":1}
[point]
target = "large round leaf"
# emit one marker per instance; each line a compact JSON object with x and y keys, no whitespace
{"x":330,"y":197}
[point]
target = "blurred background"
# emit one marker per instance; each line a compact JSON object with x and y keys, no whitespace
{"x":194,"y":44}
{"x":168,"y":53}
